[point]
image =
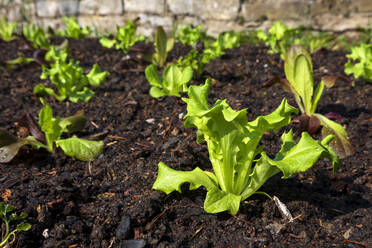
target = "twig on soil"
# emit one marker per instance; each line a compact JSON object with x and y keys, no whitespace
{"x":116,"y":137}
{"x":112,"y":143}
{"x":94,"y":124}
{"x":196,"y":232}
{"x":355,"y":242}
{"x":111,"y":243}
{"x":97,"y":136}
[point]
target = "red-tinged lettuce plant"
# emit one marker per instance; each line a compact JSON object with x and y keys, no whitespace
{"x":298,"y":69}
{"x":47,"y":134}
{"x":174,"y":80}
{"x":162,"y":44}
{"x":240,"y":167}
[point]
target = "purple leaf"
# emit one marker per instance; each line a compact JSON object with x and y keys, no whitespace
{"x":333,"y":116}
{"x":29,"y":122}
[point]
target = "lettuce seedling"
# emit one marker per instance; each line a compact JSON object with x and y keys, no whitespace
{"x":7,"y":217}
{"x":197,"y":60}
{"x":73,"y":29}
{"x":7,"y":29}
{"x":69,"y":78}
{"x":37,"y":36}
{"x":279,"y":38}
{"x":173,"y":81}
{"x":163,"y":45}
{"x":47,"y":134}
{"x":240,"y":168}
{"x":18,"y":61}
{"x":191,"y":36}
{"x":124,"y":38}
{"x":298,"y":69}
{"x":361,"y":62}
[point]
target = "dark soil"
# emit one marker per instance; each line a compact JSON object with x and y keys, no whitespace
{"x":110,"y":203}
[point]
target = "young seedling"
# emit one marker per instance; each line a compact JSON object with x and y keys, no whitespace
{"x":279,"y":38}
{"x":361,"y":66}
{"x":124,"y":38}
{"x":18,"y":61}
{"x":298,"y":69}
{"x":173,"y":81}
{"x":37,"y":36}
{"x":240,"y":167}
{"x":47,"y":134}
{"x":197,"y":60}
{"x":163,"y":45}
{"x":73,"y":29}
{"x":191,"y":36}
{"x":69,"y":78}
{"x":8,"y":217}
{"x":7,"y":29}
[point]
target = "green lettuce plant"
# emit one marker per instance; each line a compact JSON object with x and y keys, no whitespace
{"x":37,"y":36}
{"x":191,"y":36}
{"x":73,"y":29}
{"x":240,"y":168}
{"x":279,"y":38}
{"x":7,"y":29}
{"x":298,"y":69}
{"x":197,"y":60}
{"x":18,"y":61}
{"x":124,"y":38}
{"x":47,"y":134}
{"x":8,"y":216}
{"x":173,"y":81}
{"x":360,"y":62}
{"x":69,"y":78}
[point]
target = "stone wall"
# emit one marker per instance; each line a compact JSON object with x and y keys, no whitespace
{"x":215,"y":15}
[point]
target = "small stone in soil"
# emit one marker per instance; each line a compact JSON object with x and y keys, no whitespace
{"x":139,"y":243}
{"x":123,"y":228}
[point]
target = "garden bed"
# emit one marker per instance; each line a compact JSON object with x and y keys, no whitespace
{"x":71,"y":203}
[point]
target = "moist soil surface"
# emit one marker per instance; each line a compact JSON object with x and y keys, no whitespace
{"x":109,"y":202}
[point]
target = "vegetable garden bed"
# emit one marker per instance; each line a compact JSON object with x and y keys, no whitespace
{"x":109,"y":202}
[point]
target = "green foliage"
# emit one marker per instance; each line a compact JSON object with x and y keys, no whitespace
{"x":162,"y":45}
{"x":37,"y":36}
{"x":232,"y":145}
{"x":124,"y":38}
{"x":173,"y":81}
{"x":212,"y":50}
{"x":280,"y":38}
{"x":69,"y":78}
{"x":18,"y":61}
{"x":298,"y":69}
{"x":190,"y":36}
{"x":7,"y":29}
{"x":73,"y":29}
{"x":360,"y":62}
{"x":8,"y":216}
{"x":47,"y":135}
{"x":195,"y":60}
